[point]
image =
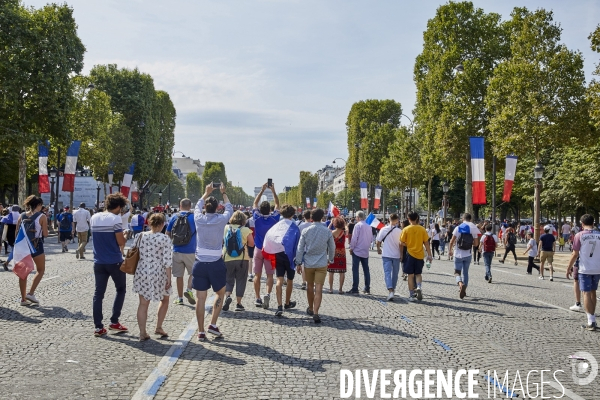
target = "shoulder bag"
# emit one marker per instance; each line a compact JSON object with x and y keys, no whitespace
{"x":132,"y":258}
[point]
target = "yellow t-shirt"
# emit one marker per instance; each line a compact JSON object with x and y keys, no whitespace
{"x":245,"y":233}
{"x":414,"y":236}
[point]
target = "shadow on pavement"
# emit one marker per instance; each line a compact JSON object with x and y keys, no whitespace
{"x":9,"y":314}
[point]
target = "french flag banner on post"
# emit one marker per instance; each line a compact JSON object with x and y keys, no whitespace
{"x":308,"y":202}
{"x":477,"y":169}
{"x":364,"y":203}
{"x":374,"y":221}
{"x":127,"y":181}
{"x":315,"y":202}
{"x":333,"y":210}
{"x":71,"y":166}
{"x":509,"y":176}
{"x":43,"y":182}
{"x":377,"y":197}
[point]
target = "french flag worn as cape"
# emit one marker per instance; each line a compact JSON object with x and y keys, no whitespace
{"x":12,"y":217}
{"x":333,"y":210}
{"x":364,"y":203}
{"x":43,"y":182}
{"x":377,"y":197}
{"x":21,"y":255}
{"x":509,"y":177}
{"x":286,"y":233}
{"x":477,"y":169}
{"x":127,"y":181}
{"x":374,"y":221}
{"x":71,"y":166}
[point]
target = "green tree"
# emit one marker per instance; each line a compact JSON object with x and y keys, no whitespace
{"x":324,"y":198}
{"x":193,"y":186}
{"x":164,"y":114}
{"x":214,"y":172}
{"x":308,"y":186}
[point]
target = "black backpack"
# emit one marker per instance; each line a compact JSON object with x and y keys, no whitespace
{"x":29,"y":226}
{"x":512,"y":238}
{"x":465,"y":241}
{"x":65,"y":224}
{"x":182,"y":231}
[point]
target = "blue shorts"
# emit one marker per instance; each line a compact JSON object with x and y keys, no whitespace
{"x":39,"y":250}
{"x":209,"y":274}
{"x":588,"y":283}
{"x":412,"y":265}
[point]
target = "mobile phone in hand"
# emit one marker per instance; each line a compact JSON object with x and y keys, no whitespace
{"x":216,"y":185}
{"x":269,"y":182}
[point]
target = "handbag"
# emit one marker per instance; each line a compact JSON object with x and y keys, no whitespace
{"x":132,"y":258}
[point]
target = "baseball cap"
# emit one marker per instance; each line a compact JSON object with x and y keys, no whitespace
{"x":548,"y":227}
{"x":66,"y":207}
{"x":82,"y":205}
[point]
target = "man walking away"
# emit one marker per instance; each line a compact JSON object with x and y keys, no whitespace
{"x":488,"y":248}
{"x":316,"y":250}
{"x":510,"y":241}
{"x":465,"y":237}
{"x":279,"y":246}
{"x":389,"y":237}
{"x":108,"y":237}
{"x":182,"y":230}
{"x":546,"y":247}
{"x":65,"y":228}
{"x":413,"y":238}
{"x":586,"y":246}
{"x":359,"y":248}
{"x":305,"y":222}
{"x":209,"y":268}
{"x":81,"y":219}
{"x":137,"y":223}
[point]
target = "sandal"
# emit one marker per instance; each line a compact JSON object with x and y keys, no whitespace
{"x":144,"y":338}
{"x":340,"y":291}
{"x":161,"y":332}
{"x":330,"y":291}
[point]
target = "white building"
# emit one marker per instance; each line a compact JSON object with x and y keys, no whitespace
{"x":182,"y":166}
{"x":339,"y":181}
{"x":327,"y":177}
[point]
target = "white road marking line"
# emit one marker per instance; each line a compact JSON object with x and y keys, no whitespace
{"x":150,"y":387}
{"x":507,"y":272}
{"x":552,"y":305}
{"x":52,"y":277}
{"x":567,"y":392}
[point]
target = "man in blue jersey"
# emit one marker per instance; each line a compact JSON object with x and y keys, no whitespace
{"x":108,"y":236}
{"x":264,"y":219}
{"x":183,"y":253}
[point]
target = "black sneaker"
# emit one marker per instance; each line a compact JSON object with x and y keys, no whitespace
{"x":258,"y":303}
{"x":291,"y":305}
{"x":317,"y":319}
{"x":227,"y":303}
{"x":501,"y":261}
{"x":303,"y":287}
{"x":352,"y":292}
{"x":486,"y":278}
{"x":366,"y":291}
{"x":419,"y":294}
{"x":240,"y":307}
{"x":5,"y":265}
{"x":279,"y":311}
{"x":309,"y":311}
{"x":490,"y":280}
{"x":591,"y":327}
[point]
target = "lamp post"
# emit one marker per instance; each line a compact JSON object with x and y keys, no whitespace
{"x":52,"y":172}
{"x":353,"y":209}
{"x":445,"y":201}
{"x":407,"y":192}
{"x":98,"y":183}
{"x":538,"y":174}
{"x":159,"y":198}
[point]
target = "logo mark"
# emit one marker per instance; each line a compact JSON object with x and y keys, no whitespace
{"x":584,"y":368}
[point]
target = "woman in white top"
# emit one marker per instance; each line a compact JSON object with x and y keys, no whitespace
{"x":434,"y":233}
{"x":532,"y":250}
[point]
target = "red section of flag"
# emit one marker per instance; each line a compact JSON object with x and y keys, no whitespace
{"x":507,"y":190}
{"x":43,"y":184}
{"x":376,"y":204}
{"x":125,"y":191}
{"x":479,"y":192}
{"x":68,"y":183}
{"x":364,"y":203}
{"x":135,"y":197}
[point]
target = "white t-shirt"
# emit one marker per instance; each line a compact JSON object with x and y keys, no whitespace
{"x":534,"y":250}
{"x":391,"y":247}
{"x":587,"y":243}
{"x":82,"y":218}
{"x":566,"y":229}
{"x":125,"y":218}
{"x":474,"y":230}
{"x":434,"y":234}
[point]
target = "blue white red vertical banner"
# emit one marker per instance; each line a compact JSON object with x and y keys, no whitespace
{"x":364,"y":203}
{"x":126,"y":185}
{"x":308,"y":202}
{"x":509,"y":176}
{"x":315,"y":202}
{"x":477,"y":169}
{"x":43,"y":182}
{"x":377,"y":200}
{"x":111,"y":175}
{"x":71,"y":166}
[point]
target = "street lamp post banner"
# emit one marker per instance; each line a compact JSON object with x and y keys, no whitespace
{"x":377,"y":197}
{"x":111,"y":174}
{"x":43,"y":182}
{"x":315,"y":203}
{"x":509,"y":176}
{"x":71,"y":166}
{"x":364,"y":203}
{"x":127,"y":181}
{"x":477,"y":169}
{"x":308,"y":202}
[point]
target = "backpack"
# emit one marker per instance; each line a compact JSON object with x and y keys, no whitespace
{"x":234,"y":243}
{"x":182,"y":231}
{"x":512,"y":238}
{"x":489,"y":246}
{"x":29,"y":226}
{"x":465,"y":241}
{"x":65,"y":224}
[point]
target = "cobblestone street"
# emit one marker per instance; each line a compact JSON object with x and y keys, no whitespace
{"x":516,"y":323}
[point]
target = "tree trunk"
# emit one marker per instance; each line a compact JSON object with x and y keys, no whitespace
{"x":428,"y":203}
{"x":22,"y":175}
{"x":469,"y":187}
{"x":71,"y":200}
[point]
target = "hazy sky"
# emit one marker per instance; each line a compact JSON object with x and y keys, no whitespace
{"x":266,"y":86}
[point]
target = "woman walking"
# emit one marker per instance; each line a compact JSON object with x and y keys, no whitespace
{"x":531,"y":251}
{"x":435,"y":240}
{"x":339,"y":259}
{"x":152,"y":279}
{"x":236,"y":264}
{"x":36,"y":226}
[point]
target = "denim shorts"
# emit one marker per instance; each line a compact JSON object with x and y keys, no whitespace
{"x":588,"y":283}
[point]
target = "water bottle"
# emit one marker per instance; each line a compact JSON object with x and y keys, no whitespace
{"x":428,"y":264}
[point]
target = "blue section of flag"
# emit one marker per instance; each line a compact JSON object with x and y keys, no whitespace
{"x":73,"y":150}
{"x":43,"y":149}
{"x":131,"y":169}
{"x":363,"y":185}
{"x":370,"y":219}
{"x":512,"y":156}
{"x":476,"y":146}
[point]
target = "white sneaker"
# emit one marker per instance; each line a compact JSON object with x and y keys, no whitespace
{"x":31,"y":298}
{"x":411,"y":299}
{"x":576,"y":308}
{"x":541,"y":277}
{"x":390,"y":296}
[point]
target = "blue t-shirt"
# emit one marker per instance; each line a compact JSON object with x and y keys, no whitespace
{"x":189,"y":248}
{"x":104,"y":225}
{"x":262,"y":224}
{"x":547,"y":240}
{"x":137,"y":223}
{"x":69,"y":217}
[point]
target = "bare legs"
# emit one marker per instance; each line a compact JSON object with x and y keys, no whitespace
{"x":142,"y":316}
{"x":217,"y":306}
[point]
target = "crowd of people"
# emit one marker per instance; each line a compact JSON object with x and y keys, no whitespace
{"x":222,"y":249}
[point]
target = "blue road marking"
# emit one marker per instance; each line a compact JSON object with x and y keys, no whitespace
{"x":506,"y":390}
{"x":444,"y":345}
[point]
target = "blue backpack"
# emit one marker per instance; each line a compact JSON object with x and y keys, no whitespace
{"x":234,"y":243}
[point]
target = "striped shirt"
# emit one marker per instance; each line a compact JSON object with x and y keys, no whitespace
{"x":104,"y":225}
